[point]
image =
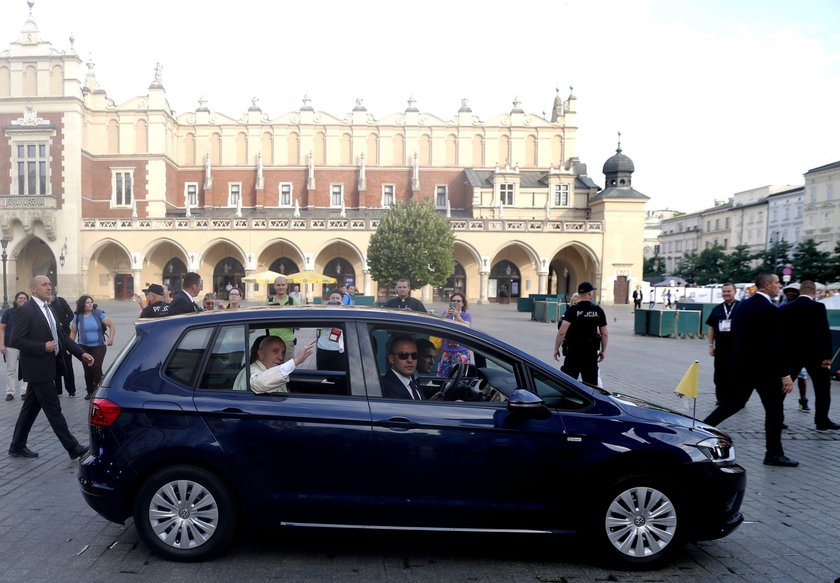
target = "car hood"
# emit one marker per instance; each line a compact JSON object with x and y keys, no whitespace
{"x":644,"y":410}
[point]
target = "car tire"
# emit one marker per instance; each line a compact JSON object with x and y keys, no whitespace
{"x":185,"y":513}
{"x":638,"y":522}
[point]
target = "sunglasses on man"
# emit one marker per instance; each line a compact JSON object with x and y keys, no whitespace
{"x":405,"y":355}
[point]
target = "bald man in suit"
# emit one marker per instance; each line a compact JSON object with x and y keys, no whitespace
{"x":41,"y":340}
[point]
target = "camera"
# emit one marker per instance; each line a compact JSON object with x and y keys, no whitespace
{"x":452,"y":305}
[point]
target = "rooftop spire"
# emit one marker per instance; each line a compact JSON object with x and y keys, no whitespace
{"x":618,"y":148}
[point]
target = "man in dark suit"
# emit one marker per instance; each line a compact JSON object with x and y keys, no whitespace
{"x":758,"y":362}
{"x":183,"y":302}
{"x":398,"y":382}
{"x":40,"y":341}
{"x":808,"y":337}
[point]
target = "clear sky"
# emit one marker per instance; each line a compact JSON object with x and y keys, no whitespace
{"x":711,"y":96}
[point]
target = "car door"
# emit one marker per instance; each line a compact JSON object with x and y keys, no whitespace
{"x":299,"y":456}
{"x":464,"y":464}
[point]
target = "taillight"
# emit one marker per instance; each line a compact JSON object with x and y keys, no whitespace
{"x":103,"y":412}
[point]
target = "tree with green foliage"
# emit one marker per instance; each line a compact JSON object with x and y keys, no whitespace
{"x":412,"y":241}
{"x":835,"y":261}
{"x":809,"y":262}
{"x":774,"y":258}
{"x":653,"y":267}
{"x":687,"y":267}
{"x":737,"y":266}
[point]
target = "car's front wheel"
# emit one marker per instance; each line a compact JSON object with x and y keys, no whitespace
{"x":184,"y":513}
{"x":639,"y":521}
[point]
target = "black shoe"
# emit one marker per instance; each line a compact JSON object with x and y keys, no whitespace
{"x":88,"y":396}
{"x":10,"y":397}
{"x":22,"y":396}
{"x":829,"y":425}
{"x":77,"y":451}
{"x":780,"y":460}
{"x":71,"y":395}
{"x":22,"y":452}
{"x":784,"y":426}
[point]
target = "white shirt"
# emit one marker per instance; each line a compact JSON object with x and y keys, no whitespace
{"x":271,"y":380}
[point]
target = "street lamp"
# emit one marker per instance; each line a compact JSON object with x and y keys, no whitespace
{"x":4,"y":242}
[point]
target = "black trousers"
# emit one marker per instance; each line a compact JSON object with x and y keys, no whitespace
{"x":42,"y":396}
{"x":93,"y":374}
{"x":64,"y":371}
{"x":723,"y":377}
{"x":582,"y":359}
{"x":821,"y":378}
{"x":772,"y":398}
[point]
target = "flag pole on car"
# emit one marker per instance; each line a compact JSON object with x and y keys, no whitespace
{"x":688,"y":386}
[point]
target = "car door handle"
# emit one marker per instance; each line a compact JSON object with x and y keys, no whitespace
{"x":239,"y":413}
{"x":327,"y":382}
{"x":397,"y":423}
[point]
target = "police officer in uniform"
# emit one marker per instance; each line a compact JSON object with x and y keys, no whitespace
{"x":720,"y":337}
{"x":582,"y":337}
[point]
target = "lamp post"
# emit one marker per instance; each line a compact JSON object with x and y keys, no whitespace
{"x":4,"y":242}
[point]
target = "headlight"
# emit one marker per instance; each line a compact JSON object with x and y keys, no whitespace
{"x":717,"y":449}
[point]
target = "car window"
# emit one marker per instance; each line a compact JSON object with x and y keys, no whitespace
{"x":186,"y":358}
{"x":226,"y":359}
{"x":557,"y":395}
{"x":325,"y":371}
{"x":481,"y":374}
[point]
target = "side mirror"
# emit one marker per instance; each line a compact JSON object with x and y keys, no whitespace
{"x":522,"y":401}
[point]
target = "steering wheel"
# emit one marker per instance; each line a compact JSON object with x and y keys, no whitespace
{"x":460,"y":387}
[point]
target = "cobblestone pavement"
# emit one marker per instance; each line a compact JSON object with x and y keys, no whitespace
{"x":791,"y":533}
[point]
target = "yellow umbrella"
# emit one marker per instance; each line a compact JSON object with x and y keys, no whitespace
{"x":261,"y":277}
{"x":309,"y":276}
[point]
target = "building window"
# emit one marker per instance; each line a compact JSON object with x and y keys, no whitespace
{"x":122,"y":186}
{"x":285,"y":194}
{"x":506,"y":194}
{"x":561,"y":195}
{"x":387,"y":195}
{"x":829,"y":191}
{"x":708,"y":226}
{"x":191,"y":194}
{"x":441,"y":196}
{"x":813,"y":192}
{"x":31,"y":163}
{"x":234,"y":194}
{"x":717,"y":224}
{"x":726,"y":243}
{"x":336,"y":195}
{"x":727,"y":222}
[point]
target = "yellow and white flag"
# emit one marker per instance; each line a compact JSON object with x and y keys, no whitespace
{"x":691,"y":379}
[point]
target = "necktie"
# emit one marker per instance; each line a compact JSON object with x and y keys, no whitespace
{"x":415,"y":394}
{"x":51,"y":322}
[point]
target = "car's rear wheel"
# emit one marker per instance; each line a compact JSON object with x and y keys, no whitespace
{"x":185,"y":513}
{"x":639,"y":521}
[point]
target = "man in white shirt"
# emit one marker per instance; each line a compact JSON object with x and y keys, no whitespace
{"x":269,"y":374}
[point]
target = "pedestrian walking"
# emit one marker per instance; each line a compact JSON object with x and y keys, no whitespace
{"x":758,"y":363}
{"x":11,"y":355}
{"x":40,"y":342}
{"x":582,"y":337}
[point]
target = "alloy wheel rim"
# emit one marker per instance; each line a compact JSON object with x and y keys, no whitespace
{"x":183,"y":514}
{"x":641,"y":522}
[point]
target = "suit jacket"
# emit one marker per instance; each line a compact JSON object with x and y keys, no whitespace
{"x":29,"y":335}
{"x":806,"y":330}
{"x":182,"y":304}
{"x":393,"y":387}
{"x":757,"y":339}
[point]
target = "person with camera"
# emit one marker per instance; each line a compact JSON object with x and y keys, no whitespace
{"x":452,"y":353}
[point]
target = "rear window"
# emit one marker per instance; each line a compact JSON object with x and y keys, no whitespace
{"x":185,"y":360}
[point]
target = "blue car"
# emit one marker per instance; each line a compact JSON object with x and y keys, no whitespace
{"x":340,"y":416}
